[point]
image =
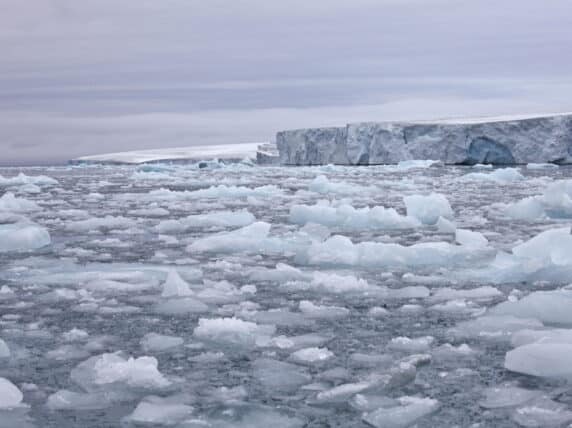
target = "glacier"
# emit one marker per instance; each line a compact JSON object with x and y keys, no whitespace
{"x":262,"y":153}
{"x":500,"y":141}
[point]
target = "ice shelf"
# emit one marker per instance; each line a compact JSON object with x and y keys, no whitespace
{"x":495,"y":140}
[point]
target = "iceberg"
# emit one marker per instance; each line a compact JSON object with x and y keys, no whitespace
{"x":497,"y":140}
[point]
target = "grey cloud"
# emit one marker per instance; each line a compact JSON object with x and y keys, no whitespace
{"x":82,"y":77}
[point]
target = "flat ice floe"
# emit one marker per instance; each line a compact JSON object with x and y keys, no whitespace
{"x":340,"y":250}
{"x":499,"y":176}
{"x":214,"y":219}
{"x":9,"y":202}
{"x":541,"y":359}
{"x":22,"y":236}
{"x":347,"y":217}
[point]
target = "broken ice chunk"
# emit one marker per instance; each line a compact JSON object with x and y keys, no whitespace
{"x":112,"y":370}
{"x":175,"y":286}
{"x":407,"y":413}
{"x":10,"y":395}
{"x":311,"y":355}
{"x":153,"y":342}
{"x":234,"y":331}
{"x":551,"y":360}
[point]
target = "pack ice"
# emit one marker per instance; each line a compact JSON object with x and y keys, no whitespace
{"x":234,"y":295}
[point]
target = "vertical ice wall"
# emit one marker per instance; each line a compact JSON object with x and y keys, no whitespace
{"x":512,"y":141}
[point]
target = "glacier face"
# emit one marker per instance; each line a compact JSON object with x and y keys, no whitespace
{"x":493,"y":141}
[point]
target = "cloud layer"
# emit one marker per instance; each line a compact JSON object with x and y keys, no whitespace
{"x":100,"y":75}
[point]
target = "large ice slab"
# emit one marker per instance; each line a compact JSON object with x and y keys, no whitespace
{"x":180,"y":154}
{"x":500,"y":140}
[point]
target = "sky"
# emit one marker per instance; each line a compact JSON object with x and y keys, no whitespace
{"x":96,"y":76}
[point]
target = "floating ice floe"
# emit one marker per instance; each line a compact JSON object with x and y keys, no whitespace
{"x":153,"y":211}
{"x":215,"y":192}
{"x":311,"y":310}
{"x":341,"y":251}
{"x":333,"y":283}
{"x":534,"y":166}
{"x":64,"y":399}
{"x":279,"y":376}
{"x":175,"y":286}
{"x":398,"y":375}
{"x":479,"y":293}
{"x":23,"y":179}
{"x":23,"y":236}
{"x":159,"y":411}
{"x":112,"y":371}
{"x":311,"y":355}
{"x":347,"y":217}
{"x":321,"y":184}
{"x":75,"y":335}
{"x":153,"y":342}
{"x":293,"y":343}
{"x":470,"y":238}
{"x":542,"y":412}
{"x":445,"y":225}
{"x":213,"y":219}
{"x":498,"y":176}
{"x":451,"y":352}
{"x":281,"y":273}
{"x":153,"y":176}
{"x":255,"y":239}
{"x":407,"y":413}
{"x":545,"y":257}
{"x":107,"y":222}
{"x":555,"y":202}
{"x":494,"y":327}
{"x":428,"y":209}
{"x":10,"y":203}
{"x":234,"y":331}
{"x":4,"y":350}
{"x":554,"y":335}
{"x":406,"y":344}
{"x":30,"y":189}
{"x":180,"y":307}
{"x":551,"y":360}
{"x":254,"y":416}
{"x":249,"y":238}
{"x":415,"y":164}
{"x":550,"y":307}
{"x":10,"y":395}
{"x":507,"y":396}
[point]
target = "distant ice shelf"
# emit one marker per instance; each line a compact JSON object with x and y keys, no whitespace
{"x":502,"y":140}
{"x":262,"y":152}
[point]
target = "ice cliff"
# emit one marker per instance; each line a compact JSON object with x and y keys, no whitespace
{"x":501,"y":140}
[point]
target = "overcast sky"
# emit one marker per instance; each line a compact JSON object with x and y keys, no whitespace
{"x":95,"y":76}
